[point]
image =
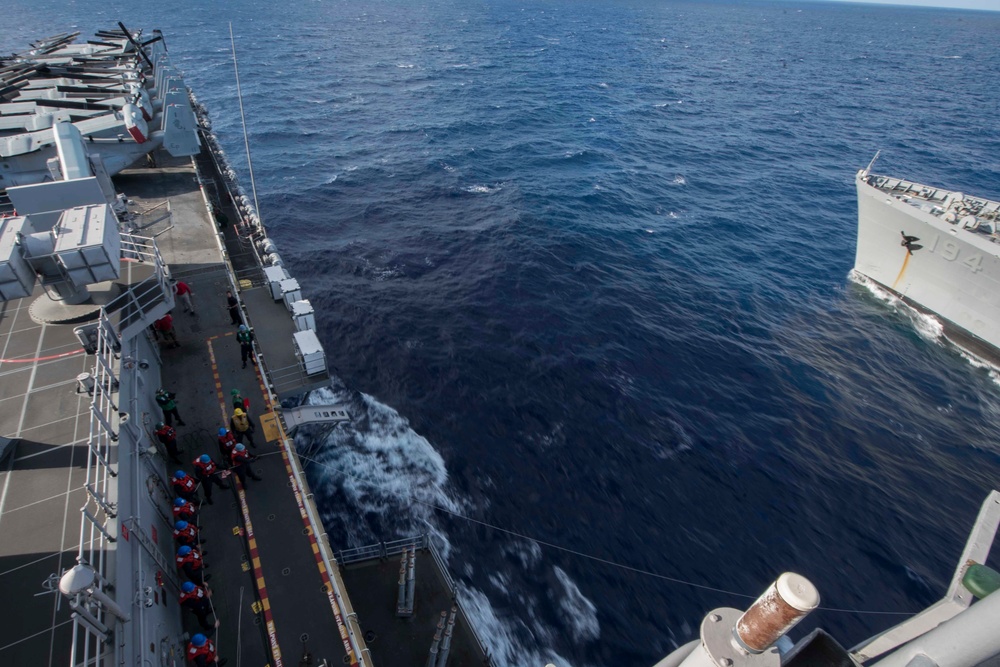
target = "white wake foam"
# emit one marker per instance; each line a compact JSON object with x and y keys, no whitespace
{"x":577,"y":611}
{"x":381,"y":464}
{"x":928,"y":326}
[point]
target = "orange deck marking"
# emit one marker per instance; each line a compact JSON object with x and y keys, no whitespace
{"x":258,"y":571}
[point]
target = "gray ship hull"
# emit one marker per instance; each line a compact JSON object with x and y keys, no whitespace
{"x":937,"y":250}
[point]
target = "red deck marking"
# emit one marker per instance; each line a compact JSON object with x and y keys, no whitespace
{"x":258,"y":571}
{"x":51,"y":356}
{"x":311,"y":531}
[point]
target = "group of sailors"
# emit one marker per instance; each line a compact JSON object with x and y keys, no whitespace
{"x":235,"y":459}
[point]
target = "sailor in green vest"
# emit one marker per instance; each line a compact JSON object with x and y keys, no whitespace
{"x":245,"y":338}
{"x":167,"y":400}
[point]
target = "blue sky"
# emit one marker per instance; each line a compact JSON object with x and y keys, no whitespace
{"x":957,"y":4}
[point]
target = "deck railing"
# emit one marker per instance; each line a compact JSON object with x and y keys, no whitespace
{"x":92,"y":619}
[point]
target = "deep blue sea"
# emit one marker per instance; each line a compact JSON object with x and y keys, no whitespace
{"x":582,"y":270}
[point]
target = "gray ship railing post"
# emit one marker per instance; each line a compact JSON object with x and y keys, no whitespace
{"x":446,"y":642}
{"x":411,"y":579}
{"x":432,"y":658}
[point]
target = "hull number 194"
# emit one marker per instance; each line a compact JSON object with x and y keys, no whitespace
{"x":950,"y":251}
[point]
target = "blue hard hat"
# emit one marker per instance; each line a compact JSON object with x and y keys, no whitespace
{"x":187,"y":587}
{"x":199,"y":640}
{"x":184,"y":550}
{"x":243,"y":327}
{"x":240,"y":448}
{"x":222,"y":432}
{"x":179,"y":502}
{"x":180,"y":474}
{"x":181,"y":525}
{"x":204,"y":458}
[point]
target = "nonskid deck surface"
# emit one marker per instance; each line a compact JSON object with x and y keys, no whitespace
{"x":41,"y":483}
{"x":294,"y":605}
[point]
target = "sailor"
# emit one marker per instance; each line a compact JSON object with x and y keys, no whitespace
{"x":195,"y":599}
{"x":227,"y":442}
{"x":184,"y":510}
{"x":167,"y":400}
{"x":183,"y":290}
{"x":168,"y":438}
{"x":241,"y":464}
{"x":208,"y":474}
{"x":245,"y":338}
{"x":239,"y":401}
{"x":220,"y":218}
{"x":234,"y":309}
{"x":186,"y":534}
{"x":242,"y":427}
{"x":189,"y":560}
{"x":201,"y":652}
{"x":165,"y":327}
{"x":185,"y":485}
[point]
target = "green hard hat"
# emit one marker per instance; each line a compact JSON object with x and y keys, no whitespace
{"x":235,"y":392}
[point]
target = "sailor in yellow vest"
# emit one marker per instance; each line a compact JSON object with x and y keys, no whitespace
{"x":242,"y":427}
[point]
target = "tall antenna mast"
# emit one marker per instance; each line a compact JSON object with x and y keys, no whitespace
{"x":246,"y":139}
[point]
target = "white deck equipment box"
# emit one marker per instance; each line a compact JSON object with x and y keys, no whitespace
{"x":290,"y":292}
{"x":302,"y":313}
{"x":308,"y":348}
{"x":274,"y":275}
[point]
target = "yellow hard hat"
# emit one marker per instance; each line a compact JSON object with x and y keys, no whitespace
{"x":238,"y":412}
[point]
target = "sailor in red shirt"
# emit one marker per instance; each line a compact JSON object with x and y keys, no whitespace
{"x":196,"y":599}
{"x":185,"y":485}
{"x":186,"y":533}
{"x":184,"y":510}
{"x":182,"y":290}
{"x":227,"y":442}
{"x":208,"y":474}
{"x":241,"y":459}
{"x":165,"y":327}
{"x":190,"y":561}
{"x":201,"y":652}
{"x":168,"y":437}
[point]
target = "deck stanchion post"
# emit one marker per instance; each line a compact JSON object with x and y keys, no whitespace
{"x":432,"y":657}
{"x":401,"y":595}
{"x":411,"y":579}
{"x":446,"y":643}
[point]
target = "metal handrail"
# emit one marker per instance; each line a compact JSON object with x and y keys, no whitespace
{"x":383,"y":549}
{"x":97,"y":511}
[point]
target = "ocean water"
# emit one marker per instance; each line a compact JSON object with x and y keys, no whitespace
{"x":582,"y":269}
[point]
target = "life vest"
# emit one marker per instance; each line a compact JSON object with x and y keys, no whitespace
{"x":207,"y":652}
{"x":166,"y":434}
{"x":205,"y":469}
{"x":184,"y":512}
{"x":166,"y":400}
{"x":193,"y":559}
{"x":187,"y":485}
{"x":243,"y":337}
{"x":239,"y":458}
{"x":241,"y":423}
{"x":188,"y":536}
{"x":195,"y":598}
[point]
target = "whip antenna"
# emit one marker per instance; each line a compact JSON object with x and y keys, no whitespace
{"x":246,"y":139}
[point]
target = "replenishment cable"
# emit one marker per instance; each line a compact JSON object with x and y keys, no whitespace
{"x":592,"y":557}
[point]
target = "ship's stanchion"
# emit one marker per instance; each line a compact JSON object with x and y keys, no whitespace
{"x":401,"y":609}
{"x":407,"y":583}
{"x":446,"y":642}
{"x":432,"y":658}
{"x":730,"y":638}
{"x":411,"y":580}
